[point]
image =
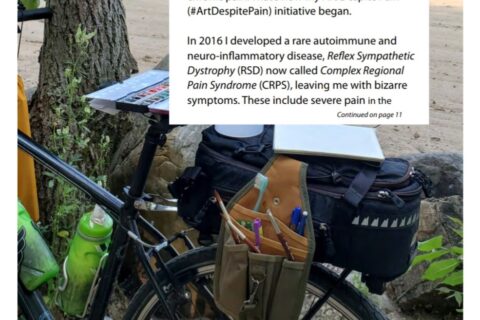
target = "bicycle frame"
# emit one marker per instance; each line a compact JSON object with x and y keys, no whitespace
{"x":123,"y":212}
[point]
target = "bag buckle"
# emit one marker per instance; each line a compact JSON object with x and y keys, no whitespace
{"x":336,"y":177}
{"x":251,"y":300}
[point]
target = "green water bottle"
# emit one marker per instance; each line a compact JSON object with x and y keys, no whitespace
{"x":87,"y":253}
{"x":38,"y":264}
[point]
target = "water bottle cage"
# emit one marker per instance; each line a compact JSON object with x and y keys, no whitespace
{"x":93,"y":288}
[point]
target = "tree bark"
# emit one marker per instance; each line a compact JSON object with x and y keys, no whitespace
{"x":109,"y":60}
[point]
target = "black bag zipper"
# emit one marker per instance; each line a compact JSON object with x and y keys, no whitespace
{"x":388,"y":194}
{"x":400,"y":182}
{"x":383,"y":194}
{"x":394,"y":196}
{"x":397,"y":183}
{"x":336,"y":178}
{"x":323,"y":232}
{"x":219,"y":156}
{"x":424,"y":181}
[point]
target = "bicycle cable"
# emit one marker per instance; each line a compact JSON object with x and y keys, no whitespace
{"x":159,"y":246}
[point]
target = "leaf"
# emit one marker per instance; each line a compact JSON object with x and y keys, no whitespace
{"x":78,"y":34}
{"x":51,"y":183}
{"x":431,"y":244}
{"x":457,"y":250}
{"x":445,"y":290}
{"x":63,"y":234}
{"x":456,"y":221}
{"x":429,"y":256}
{"x":459,"y":232}
{"x":440,"y":269}
{"x":458,"y":297}
{"x":67,"y":72}
{"x":90,"y":35}
{"x":49,"y":174}
{"x":454,"y":279}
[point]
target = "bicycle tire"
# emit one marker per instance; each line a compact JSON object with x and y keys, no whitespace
{"x":200,"y":263}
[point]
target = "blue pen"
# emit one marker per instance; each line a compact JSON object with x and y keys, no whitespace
{"x":301,"y":224}
{"x":295,"y":218}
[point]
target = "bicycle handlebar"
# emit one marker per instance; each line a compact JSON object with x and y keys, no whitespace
{"x":35,"y":14}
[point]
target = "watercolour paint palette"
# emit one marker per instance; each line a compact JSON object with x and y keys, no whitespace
{"x":148,"y":98}
{"x":142,"y":93}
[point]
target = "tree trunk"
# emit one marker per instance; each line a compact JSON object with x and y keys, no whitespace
{"x":108,"y":60}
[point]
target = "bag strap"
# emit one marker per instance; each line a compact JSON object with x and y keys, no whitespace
{"x":360,"y":185}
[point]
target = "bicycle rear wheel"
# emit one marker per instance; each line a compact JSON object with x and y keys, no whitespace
{"x":194,"y":271}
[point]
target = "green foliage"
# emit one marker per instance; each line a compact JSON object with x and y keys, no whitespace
{"x":76,"y":144}
{"x":30,"y":4}
{"x":431,"y":244}
{"x":356,"y":280}
{"x":73,"y":141}
{"x":440,"y":269}
{"x":445,"y":265}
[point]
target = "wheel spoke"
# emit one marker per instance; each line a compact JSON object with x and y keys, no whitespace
{"x":194,"y":272}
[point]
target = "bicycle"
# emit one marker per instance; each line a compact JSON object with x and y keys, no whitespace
{"x":182,"y":287}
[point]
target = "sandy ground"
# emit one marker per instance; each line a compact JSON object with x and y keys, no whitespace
{"x":445,"y":132}
{"x":147,"y":23}
{"x":148,"y":32}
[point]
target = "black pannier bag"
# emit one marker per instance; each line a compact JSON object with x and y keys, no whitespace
{"x":365,"y":215}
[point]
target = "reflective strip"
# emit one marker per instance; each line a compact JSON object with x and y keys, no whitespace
{"x":365,"y":221}
{"x":394,"y":223}
{"x":385,"y":224}
{"x":356,"y":220}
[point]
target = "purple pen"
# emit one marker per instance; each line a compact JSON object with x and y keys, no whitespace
{"x":257,"y":225}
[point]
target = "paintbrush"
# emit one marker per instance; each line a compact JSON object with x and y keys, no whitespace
{"x":280,"y":236}
{"x":232,"y":227}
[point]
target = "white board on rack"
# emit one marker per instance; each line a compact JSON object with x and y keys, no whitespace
{"x":338,"y":141}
